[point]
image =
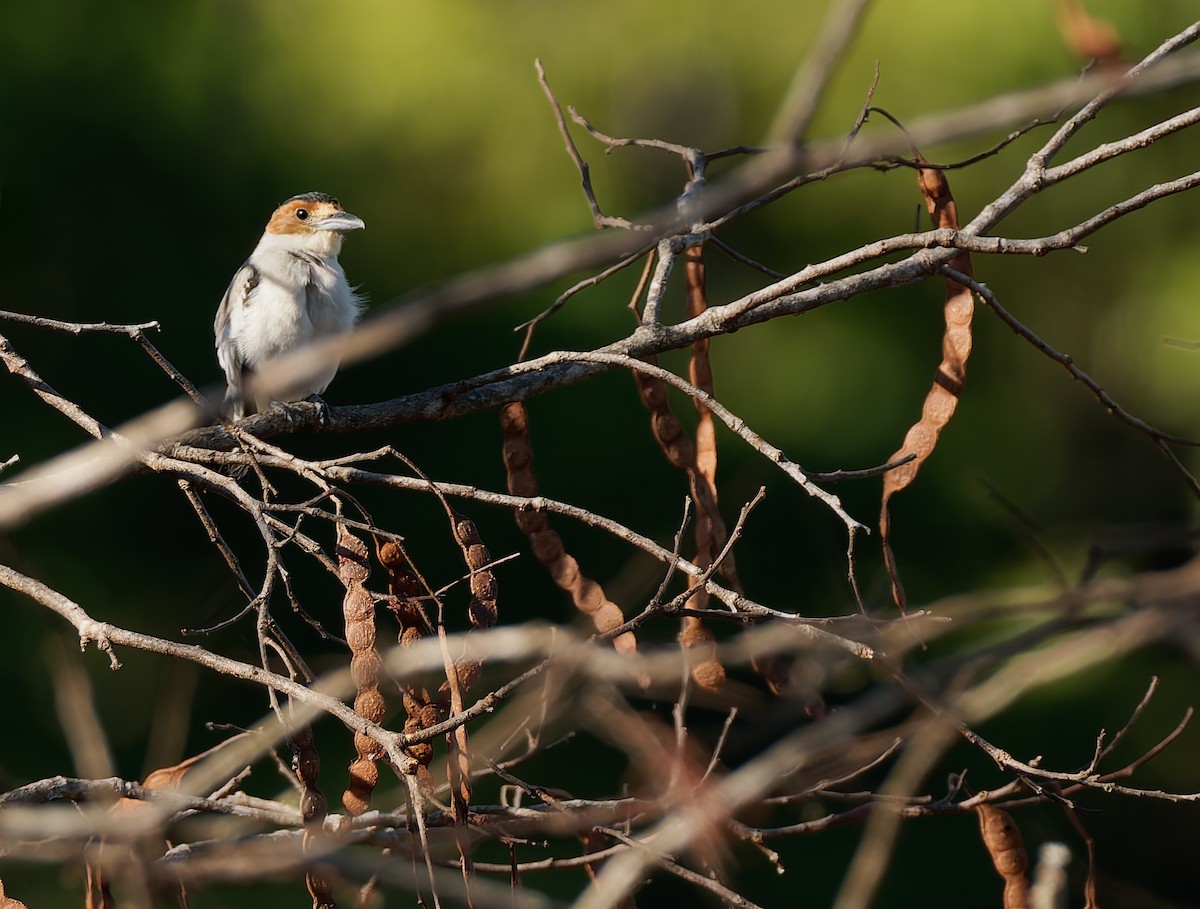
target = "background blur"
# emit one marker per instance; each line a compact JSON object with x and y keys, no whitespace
{"x":143,"y":146}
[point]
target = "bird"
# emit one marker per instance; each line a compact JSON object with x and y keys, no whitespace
{"x":291,"y":291}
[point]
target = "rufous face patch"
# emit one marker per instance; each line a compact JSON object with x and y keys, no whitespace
{"x":301,"y":214}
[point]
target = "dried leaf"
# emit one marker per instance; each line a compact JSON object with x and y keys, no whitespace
{"x":170,"y":778}
{"x":1092,"y":39}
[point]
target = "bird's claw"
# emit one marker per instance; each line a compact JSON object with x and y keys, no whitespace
{"x":324,"y":416}
{"x":298,"y":412}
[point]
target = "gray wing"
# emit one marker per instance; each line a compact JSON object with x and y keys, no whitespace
{"x":236,"y":296}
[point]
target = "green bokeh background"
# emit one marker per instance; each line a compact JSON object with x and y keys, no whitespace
{"x":143,"y":145}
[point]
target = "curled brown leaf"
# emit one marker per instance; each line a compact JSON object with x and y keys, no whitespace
{"x":1090,"y":38}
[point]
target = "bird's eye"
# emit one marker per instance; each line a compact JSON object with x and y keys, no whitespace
{"x":302,"y":214}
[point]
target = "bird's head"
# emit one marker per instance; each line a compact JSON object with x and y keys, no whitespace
{"x":311,"y":222}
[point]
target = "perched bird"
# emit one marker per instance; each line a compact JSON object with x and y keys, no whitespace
{"x":291,"y":291}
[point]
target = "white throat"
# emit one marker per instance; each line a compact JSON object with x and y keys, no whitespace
{"x":325,"y":244}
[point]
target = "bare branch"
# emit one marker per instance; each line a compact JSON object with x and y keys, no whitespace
{"x":808,"y":84}
{"x":79,"y":328}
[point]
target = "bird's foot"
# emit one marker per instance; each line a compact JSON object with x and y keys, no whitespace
{"x":324,"y":416}
{"x":290,"y":412}
{"x":298,"y":412}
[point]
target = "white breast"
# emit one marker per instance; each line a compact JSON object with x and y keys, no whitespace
{"x":298,"y":298}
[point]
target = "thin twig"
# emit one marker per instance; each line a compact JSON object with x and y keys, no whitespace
{"x":78,"y":328}
{"x":1158,"y":436}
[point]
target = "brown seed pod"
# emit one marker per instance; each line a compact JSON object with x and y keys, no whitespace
{"x":358,"y":610}
{"x":405,"y":602}
{"x":1004,"y":844}
{"x":942,"y":399}
{"x":588,"y":596}
{"x":306,"y":762}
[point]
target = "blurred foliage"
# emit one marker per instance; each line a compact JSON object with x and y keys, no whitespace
{"x":142,"y":146}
